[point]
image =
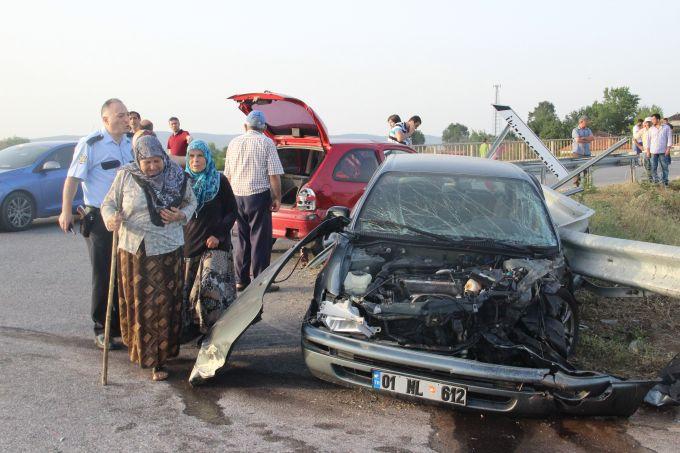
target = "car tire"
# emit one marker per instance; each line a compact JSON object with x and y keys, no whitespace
{"x":570,"y":318}
{"x":17,"y":211}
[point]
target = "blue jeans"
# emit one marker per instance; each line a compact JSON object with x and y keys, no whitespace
{"x":664,"y":161}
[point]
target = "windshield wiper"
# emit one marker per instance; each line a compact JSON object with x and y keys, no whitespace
{"x":439,"y":237}
{"x":509,"y":246}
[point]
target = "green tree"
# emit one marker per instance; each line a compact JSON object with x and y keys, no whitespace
{"x":480,"y":135}
{"x":613,"y":115}
{"x":217,"y":155}
{"x":543,"y":120}
{"x":455,"y":133}
{"x":11,"y":141}
{"x":617,"y":111}
{"x":645,"y":111}
{"x":418,"y":138}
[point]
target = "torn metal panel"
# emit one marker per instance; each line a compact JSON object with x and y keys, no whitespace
{"x":653,"y":267}
{"x":246,"y":309}
{"x":567,"y":213}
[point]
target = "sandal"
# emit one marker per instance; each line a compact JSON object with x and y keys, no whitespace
{"x":158,"y":374}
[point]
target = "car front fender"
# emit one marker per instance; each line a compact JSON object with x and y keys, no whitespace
{"x":218,"y":344}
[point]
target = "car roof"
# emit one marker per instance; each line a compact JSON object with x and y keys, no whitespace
{"x":53,"y":143}
{"x":355,"y":141}
{"x":437,"y":163}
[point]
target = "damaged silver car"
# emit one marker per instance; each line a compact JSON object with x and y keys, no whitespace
{"x":448,"y":283}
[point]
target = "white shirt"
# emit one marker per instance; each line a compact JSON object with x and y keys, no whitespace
{"x":251,"y":158}
{"x":659,"y":139}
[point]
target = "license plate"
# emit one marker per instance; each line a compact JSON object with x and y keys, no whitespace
{"x":421,"y":388}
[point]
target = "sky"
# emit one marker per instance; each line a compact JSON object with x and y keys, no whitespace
{"x":353,"y":62}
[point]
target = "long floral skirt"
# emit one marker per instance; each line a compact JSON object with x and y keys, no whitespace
{"x":150,"y":299}
{"x":209,"y":288}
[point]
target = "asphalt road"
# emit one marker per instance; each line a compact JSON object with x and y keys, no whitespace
{"x":51,"y":399}
{"x":604,"y":176}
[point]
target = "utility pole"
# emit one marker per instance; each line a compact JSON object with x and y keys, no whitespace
{"x":495,"y":112}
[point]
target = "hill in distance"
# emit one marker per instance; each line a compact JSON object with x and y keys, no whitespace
{"x":222,"y":140}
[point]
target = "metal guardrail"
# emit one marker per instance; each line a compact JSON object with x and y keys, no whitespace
{"x":519,"y":151}
{"x":652,"y":267}
{"x":538,"y":168}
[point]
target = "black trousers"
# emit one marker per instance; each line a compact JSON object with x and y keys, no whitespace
{"x":254,"y":246}
{"x":99,"y":245}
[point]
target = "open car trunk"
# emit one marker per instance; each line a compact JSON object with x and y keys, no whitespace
{"x":299,"y":164}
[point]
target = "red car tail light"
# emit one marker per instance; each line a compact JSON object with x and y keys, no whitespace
{"x":306,"y":199}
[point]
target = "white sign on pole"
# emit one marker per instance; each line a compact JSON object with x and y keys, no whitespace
{"x":527,"y":135}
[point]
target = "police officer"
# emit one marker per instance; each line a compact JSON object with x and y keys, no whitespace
{"x":96,"y":160}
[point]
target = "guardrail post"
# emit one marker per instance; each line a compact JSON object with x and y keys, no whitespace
{"x":633,"y":176}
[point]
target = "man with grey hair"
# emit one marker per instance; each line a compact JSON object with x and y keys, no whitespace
{"x":583,"y":137}
{"x":253,"y":169}
{"x":96,"y":160}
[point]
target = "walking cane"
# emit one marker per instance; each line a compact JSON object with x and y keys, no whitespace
{"x":109,"y":308}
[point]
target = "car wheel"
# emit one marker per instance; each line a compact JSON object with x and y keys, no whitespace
{"x":568,"y":315}
{"x":18,"y":211}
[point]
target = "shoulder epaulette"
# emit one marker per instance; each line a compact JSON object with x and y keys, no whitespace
{"x":94,"y":139}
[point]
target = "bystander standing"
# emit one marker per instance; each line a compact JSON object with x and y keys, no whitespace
{"x":253,"y":169}
{"x":637,"y":137}
{"x":178,"y":142}
{"x":658,"y":148}
{"x":96,"y":160}
{"x":484,"y":148}
{"x":134,"y":123}
{"x":402,"y":132}
{"x":583,"y":137}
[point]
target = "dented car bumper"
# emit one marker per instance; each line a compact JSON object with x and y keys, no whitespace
{"x":490,"y":387}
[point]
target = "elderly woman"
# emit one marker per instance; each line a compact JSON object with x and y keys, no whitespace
{"x":209,"y":283}
{"x":147,"y":205}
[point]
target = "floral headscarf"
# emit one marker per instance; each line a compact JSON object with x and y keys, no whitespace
{"x":206,"y":183}
{"x":164,"y":190}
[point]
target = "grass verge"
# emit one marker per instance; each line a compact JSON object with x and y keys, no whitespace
{"x":631,"y":337}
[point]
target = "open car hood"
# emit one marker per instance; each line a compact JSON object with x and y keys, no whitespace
{"x":247,"y":307}
{"x":289,"y":120}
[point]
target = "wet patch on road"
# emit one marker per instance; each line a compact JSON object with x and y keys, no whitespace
{"x":295,"y":444}
{"x":44,"y":337}
{"x":201,"y":403}
{"x":599,"y":435}
{"x":474,"y":432}
{"x":129,"y":426}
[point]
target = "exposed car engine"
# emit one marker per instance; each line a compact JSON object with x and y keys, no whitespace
{"x":483,"y":307}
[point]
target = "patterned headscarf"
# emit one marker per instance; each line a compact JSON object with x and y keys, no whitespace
{"x":164,"y":190}
{"x":206,"y":183}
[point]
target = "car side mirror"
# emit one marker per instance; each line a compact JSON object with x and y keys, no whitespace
{"x":51,"y":165}
{"x":337,"y":211}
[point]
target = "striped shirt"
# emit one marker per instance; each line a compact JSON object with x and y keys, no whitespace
{"x":659,"y":139}
{"x":251,"y":158}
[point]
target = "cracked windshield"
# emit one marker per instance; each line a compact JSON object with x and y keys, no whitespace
{"x":457,"y":207}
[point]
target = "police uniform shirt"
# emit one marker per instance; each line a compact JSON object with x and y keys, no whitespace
{"x":96,"y":160}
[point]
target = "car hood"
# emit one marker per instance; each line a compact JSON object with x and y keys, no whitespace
{"x":6,"y":173}
{"x":290,"y":122}
{"x":246,"y":309}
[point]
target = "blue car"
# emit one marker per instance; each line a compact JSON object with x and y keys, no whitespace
{"x":31,"y":181}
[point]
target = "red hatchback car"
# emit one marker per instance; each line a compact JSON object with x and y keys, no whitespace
{"x":318,"y":173}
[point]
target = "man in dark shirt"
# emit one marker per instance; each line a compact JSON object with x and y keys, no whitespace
{"x":178,"y":141}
